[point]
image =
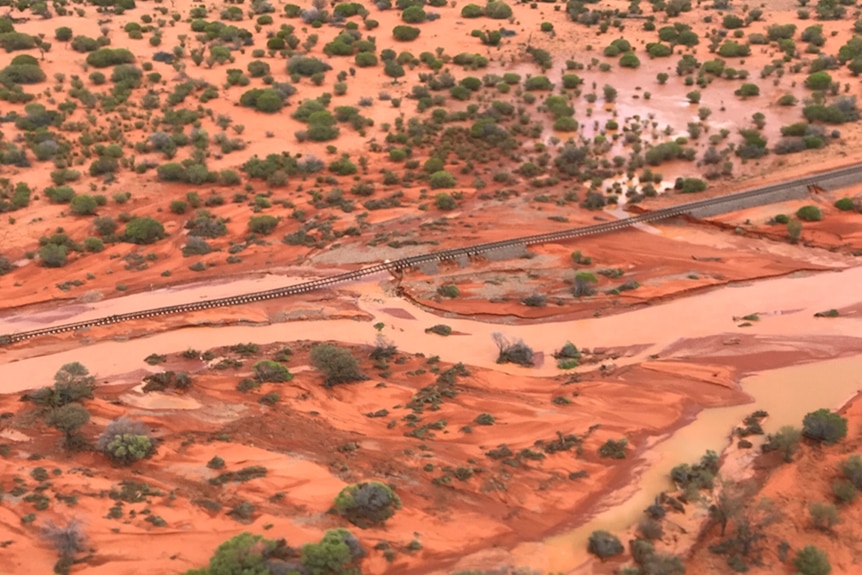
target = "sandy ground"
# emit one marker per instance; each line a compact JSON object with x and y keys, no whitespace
{"x":660,"y":353}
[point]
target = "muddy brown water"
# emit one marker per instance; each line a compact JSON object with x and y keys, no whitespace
{"x":787,"y":394}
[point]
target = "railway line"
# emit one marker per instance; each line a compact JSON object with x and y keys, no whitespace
{"x":757,"y":196}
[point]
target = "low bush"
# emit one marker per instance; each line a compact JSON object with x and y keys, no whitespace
{"x":126,"y":441}
{"x":825,"y":426}
{"x":263,"y":225}
{"x":367,"y":504}
{"x":337,"y":364}
{"x":271,"y":371}
{"x":809,"y":214}
{"x":604,"y":545}
{"x":512,"y":351}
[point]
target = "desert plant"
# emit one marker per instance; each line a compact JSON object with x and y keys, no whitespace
{"x":852,"y":469}
{"x":603,"y":545}
{"x":125,"y":441}
{"x":809,"y":214}
{"x":786,"y":441}
{"x":262,"y":224}
{"x":367,"y":504}
{"x":811,"y":560}
{"x":69,"y":419}
{"x":72,"y":383}
{"x":67,"y":540}
{"x":512,"y":351}
{"x":614,"y":449}
{"x":825,"y":426}
{"x":824,"y":516}
{"x":143,"y":230}
{"x":337,"y":364}
{"x":271,"y":371}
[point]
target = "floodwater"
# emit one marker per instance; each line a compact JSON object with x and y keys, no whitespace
{"x":786,"y":394}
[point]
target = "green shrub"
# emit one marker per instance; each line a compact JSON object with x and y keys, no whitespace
{"x":53,"y":255}
{"x":444,"y":201}
{"x":538,"y":82}
{"x":271,"y":371}
{"x":811,"y":560}
{"x":629,"y":60}
{"x":498,"y":10}
{"x":83,"y":205}
{"x":262,"y":224}
{"x":125,"y":441}
{"x":306,"y":66}
{"x":692,"y":185}
{"x":825,"y":426}
{"x":60,"y":194}
{"x":143,"y":230}
{"x":818,"y":81}
{"x":413,"y":14}
{"x":367,"y":504}
{"x":441,"y":179}
{"x":472,"y":11}
{"x":338,"y":365}
{"x":603,"y":545}
{"x":365,"y":59}
{"x":845,"y":204}
{"x":405,"y":33}
{"x":809,"y":214}
{"x":614,"y":449}
{"x":106,"y":57}
{"x":13,"y":41}
{"x":338,"y":553}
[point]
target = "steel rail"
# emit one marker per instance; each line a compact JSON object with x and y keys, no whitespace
{"x":438,"y":256}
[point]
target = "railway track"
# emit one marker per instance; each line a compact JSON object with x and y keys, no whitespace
{"x":691,"y":208}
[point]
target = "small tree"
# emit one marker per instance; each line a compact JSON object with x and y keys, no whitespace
{"x":72,"y":383}
{"x":69,"y":419}
{"x":824,"y":516}
{"x":144,"y":230}
{"x":852,"y":469}
{"x":245,"y":553}
{"x":444,"y":202}
{"x":367,"y":504}
{"x":67,"y":540}
{"x":614,"y":449}
{"x":83,"y":205}
{"x":809,"y":214}
{"x":786,"y":441}
{"x":825,"y":426}
{"x":603,"y":545}
{"x":811,"y":560}
{"x":125,"y":441}
{"x":794,"y":230}
{"x":512,"y":352}
{"x":337,"y":364}
{"x":53,"y":255}
{"x":262,"y":224}
{"x":338,"y":553}
{"x":584,"y":282}
{"x":271,"y":371}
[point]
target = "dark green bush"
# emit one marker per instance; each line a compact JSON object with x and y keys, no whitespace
{"x":105,"y":57}
{"x":405,"y":33}
{"x":809,"y":214}
{"x":825,"y":426}
{"x":143,"y":230}
{"x":262,"y":224}
{"x":367,"y":504}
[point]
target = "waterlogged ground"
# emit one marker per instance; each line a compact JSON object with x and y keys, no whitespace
{"x":663,"y":364}
{"x":667,"y":361}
